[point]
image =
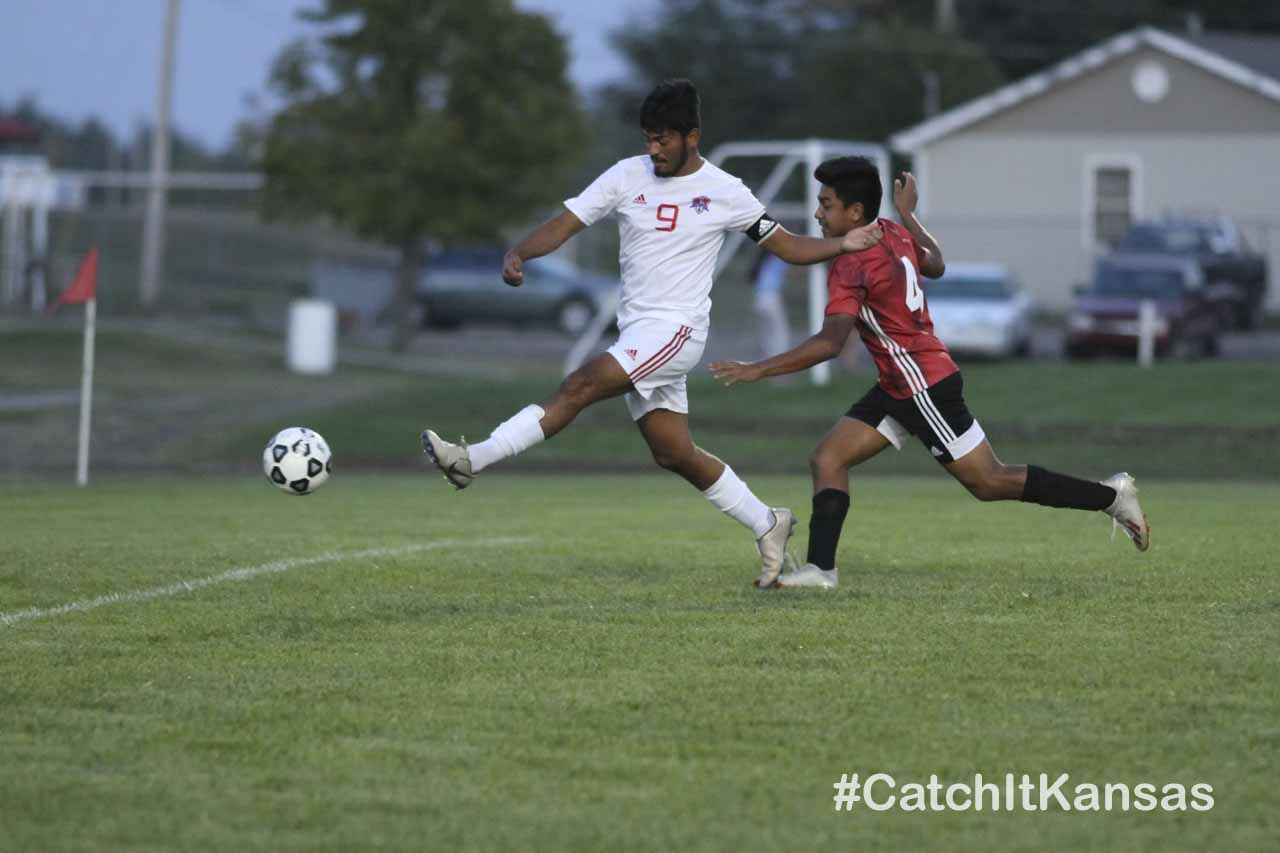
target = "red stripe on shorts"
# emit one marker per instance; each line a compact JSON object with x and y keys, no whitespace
{"x":662,"y":356}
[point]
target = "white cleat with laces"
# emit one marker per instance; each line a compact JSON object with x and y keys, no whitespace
{"x":1125,"y":512}
{"x":773,"y":547}
{"x":453,"y":460}
{"x":812,"y":576}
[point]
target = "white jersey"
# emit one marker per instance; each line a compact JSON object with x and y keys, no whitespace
{"x":672,"y":230}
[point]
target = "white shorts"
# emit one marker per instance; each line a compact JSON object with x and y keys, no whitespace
{"x":658,"y":355}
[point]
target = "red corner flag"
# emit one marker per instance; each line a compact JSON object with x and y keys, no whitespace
{"x":85,"y":286}
{"x":84,"y":289}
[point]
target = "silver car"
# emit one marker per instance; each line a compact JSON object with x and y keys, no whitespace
{"x":467,"y":287}
{"x":979,"y":309}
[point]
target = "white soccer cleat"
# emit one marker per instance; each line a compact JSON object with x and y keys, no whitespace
{"x":453,"y":460}
{"x":810,"y":575}
{"x":773,"y":546}
{"x":1125,"y":512}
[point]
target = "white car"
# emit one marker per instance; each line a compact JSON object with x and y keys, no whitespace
{"x":979,"y":309}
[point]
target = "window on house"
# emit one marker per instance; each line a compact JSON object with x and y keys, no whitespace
{"x":1112,"y":203}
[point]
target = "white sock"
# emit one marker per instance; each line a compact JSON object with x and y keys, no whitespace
{"x":732,"y":497}
{"x":514,"y":435}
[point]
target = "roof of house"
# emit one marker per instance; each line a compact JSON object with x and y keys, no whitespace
{"x":1249,"y":61}
{"x":1260,"y":53}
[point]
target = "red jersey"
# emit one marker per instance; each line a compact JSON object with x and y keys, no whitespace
{"x":880,"y":286}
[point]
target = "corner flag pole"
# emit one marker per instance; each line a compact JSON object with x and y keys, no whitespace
{"x":85,"y":289}
{"x":86,"y":393}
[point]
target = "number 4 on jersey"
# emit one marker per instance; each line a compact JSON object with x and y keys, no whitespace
{"x":915,"y":296}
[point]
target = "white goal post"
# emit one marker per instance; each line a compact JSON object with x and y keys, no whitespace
{"x":789,"y":154}
{"x":30,"y":190}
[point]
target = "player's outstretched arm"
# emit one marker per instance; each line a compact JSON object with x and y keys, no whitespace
{"x":823,"y":346}
{"x":801,"y":251}
{"x":543,"y":240}
{"x":905,"y":199}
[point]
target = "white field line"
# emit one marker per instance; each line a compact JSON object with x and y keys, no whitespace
{"x":243,"y":574}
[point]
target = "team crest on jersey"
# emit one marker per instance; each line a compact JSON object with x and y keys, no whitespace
{"x":631,"y":354}
{"x":701,"y":203}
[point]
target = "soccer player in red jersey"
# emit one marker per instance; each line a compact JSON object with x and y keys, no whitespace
{"x":877,"y":291}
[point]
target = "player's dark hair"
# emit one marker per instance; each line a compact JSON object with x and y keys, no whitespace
{"x":855,"y":179}
{"x":672,"y":105}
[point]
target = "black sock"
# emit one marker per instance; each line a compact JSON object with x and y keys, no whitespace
{"x":829,"y":509}
{"x":1048,"y":488}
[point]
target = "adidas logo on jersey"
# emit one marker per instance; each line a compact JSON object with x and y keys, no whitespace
{"x":631,"y":354}
{"x":639,"y":199}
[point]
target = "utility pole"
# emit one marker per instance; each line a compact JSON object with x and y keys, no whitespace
{"x":944,"y":16}
{"x":944,"y":23}
{"x":932,"y":93}
{"x":157,"y":193}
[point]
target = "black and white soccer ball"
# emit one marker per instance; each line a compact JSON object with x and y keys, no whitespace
{"x":297,"y":460}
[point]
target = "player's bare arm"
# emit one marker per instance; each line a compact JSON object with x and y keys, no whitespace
{"x":821,"y":347}
{"x":543,"y":240}
{"x":905,"y":199}
{"x":802,"y":251}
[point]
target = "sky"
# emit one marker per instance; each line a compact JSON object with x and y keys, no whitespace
{"x":82,"y":58}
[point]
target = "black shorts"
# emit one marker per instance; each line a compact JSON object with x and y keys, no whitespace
{"x":937,"y":416}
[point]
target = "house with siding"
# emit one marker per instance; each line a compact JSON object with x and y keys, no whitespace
{"x":1046,"y":173}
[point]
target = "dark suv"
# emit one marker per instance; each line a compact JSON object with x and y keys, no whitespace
{"x":1104,"y":319}
{"x":1235,"y":275}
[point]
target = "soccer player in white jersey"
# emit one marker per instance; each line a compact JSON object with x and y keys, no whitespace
{"x":674,"y":209}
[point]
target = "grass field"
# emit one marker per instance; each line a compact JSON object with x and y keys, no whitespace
{"x":1212,"y":420}
{"x":166,"y":405}
{"x":517,"y":667}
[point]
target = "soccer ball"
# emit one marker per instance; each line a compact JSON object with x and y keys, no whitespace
{"x":297,"y":460}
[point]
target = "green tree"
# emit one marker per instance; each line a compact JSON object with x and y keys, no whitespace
{"x":794,"y":68}
{"x":92,"y":145}
{"x":1023,"y":38}
{"x":863,"y":69}
{"x":409,"y":120}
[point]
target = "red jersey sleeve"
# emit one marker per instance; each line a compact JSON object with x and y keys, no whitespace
{"x":846,"y":286}
{"x":918,"y":251}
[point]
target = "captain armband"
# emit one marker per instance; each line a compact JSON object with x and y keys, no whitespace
{"x":763,"y":227}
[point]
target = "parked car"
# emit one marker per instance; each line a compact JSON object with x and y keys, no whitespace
{"x":980,"y":309}
{"x":1235,"y":275}
{"x":1104,"y":319}
{"x":460,"y":287}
